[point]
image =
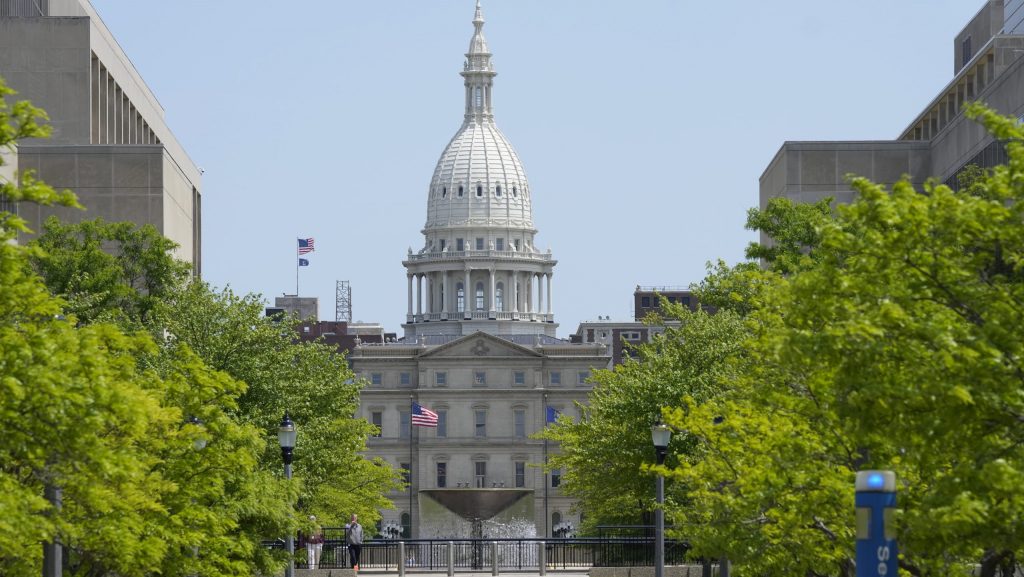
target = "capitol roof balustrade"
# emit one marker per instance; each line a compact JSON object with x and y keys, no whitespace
{"x":479,"y":254}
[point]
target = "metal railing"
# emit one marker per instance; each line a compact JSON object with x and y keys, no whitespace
{"x":481,"y":554}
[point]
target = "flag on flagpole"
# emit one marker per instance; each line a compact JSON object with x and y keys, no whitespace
{"x":552,"y":414}
{"x":303,"y":262}
{"x":305,"y":245}
{"x":422,"y":416}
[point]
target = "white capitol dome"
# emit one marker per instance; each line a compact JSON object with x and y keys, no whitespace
{"x":479,"y":180}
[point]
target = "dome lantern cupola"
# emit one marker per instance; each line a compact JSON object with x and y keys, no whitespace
{"x":479,"y":269}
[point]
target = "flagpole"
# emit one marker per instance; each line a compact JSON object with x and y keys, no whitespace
{"x":411,"y":523}
{"x":545,"y":467}
{"x":297,"y":267}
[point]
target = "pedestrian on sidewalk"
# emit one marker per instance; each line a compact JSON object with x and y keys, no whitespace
{"x":314,"y":543}
{"x":354,"y":538}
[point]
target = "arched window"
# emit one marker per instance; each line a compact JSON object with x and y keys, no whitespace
{"x":497,"y":190}
{"x":460,"y":191}
{"x":479,"y":296}
{"x":479,"y":190}
{"x":515,"y":191}
{"x":461,"y":305}
{"x":499,"y":296}
{"x":444,"y":192}
{"x":479,"y":97}
{"x":556,"y":520}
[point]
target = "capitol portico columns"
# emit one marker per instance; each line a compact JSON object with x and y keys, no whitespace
{"x":490,"y":307}
{"x":468,"y":292}
{"x":409,"y":314}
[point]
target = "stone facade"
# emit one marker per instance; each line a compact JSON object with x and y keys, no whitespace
{"x":110,"y":144}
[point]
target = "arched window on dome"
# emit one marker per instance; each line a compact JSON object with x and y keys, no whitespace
{"x":499,"y":296}
{"x":497,"y":190}
{"x":515,"y":191}
{"x":444,"y":191}
{"x":479,"y":98}
{"x":479,"y":190}
{"x":460,"y":191}
{"x":460,"y":305}
{"x":479,"y":296}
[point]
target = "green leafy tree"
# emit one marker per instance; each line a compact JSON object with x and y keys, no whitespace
{"x":897,"y":348}
{"x":602,"y":453}
{"x":309,"y":380}
{"x":115,"y":271}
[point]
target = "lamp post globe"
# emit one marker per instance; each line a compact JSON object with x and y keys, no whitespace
{"x":200,"y":442}
{"x":660,"y":436}
{"x":286,"y":438}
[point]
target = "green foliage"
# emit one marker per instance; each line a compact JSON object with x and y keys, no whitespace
{"x":115,"y":271}
{"x":601,"y":454}
{"x":309,"y":380}
{"x":792,"y":229}
{"x":897,"y":346}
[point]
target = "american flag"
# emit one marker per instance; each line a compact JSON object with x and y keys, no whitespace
{"x":422,"y":416}
{"x":305,"y":245}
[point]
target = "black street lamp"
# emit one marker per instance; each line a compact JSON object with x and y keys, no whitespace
{"x":661,"y":435}
{"x":286,"y":437}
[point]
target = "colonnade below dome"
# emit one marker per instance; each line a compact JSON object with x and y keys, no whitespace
{"x":479,"y":294}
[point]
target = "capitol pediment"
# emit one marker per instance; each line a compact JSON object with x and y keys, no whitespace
{"x":480,"y":344}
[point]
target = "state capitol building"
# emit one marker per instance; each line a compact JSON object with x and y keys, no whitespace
{"x":479,"y":347}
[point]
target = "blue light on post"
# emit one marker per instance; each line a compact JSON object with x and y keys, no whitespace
{"x":876,"y":536}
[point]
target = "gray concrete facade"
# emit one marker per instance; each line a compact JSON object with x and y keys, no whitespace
{"x":109,"y":143}
{"x":940,"y":142}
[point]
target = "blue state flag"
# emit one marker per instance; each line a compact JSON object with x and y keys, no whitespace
{"x":303,"y":262}
{"x":552,"y":414}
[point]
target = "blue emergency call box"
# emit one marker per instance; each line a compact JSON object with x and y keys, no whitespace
{"x":876,"y":535}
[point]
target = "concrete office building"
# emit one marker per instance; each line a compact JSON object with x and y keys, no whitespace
{"x":479,"y":346}
{"x":988,"y":65}
{"x":109,"y":144}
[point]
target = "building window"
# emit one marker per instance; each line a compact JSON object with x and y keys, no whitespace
{"x":406,"y":521}
{"x":519,"y":423}
{"x":631,"y":335}
{"x":556,"y":518}
{"x":480,"y":244}
{"x":460,"y":305}
{"x":519,"y":378}
{"x":686,"y":301}
{"x":499,"y":244}
{"x":479,"y":97}
{"x":404,"y":378}
{"x":497,"y":190}
{"x":479,"y":296}
{"x":516,"y":243}
{"x":479,"y":190}
{"x":443,"y":241}
{"x":499,"y":297}
{"x":444,"y":192}
{"x":479,"y":377}
{"x":460,"y":244}
{"x":376,"y":378}
{"x":377,"y":419}
{"x":520,"y":474}
{"x":403,"y":424}
{"x":481,"y":474}
{"x":581,"y":377}
{"x":460,"y":191}
{"x":555,"y":377}
{"x":967,"y":51}
{"x":645,"y":302}
{"x":515,"y":191}
{"x":480,"y":420}
{"x":406,"y":472}
{"x":441,"y":378}
{"x":556,"y":477}
{"x":442,"y":423}
{"x":442,"y":474}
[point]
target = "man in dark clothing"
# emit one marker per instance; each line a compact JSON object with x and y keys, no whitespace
{"x":354,"y":537}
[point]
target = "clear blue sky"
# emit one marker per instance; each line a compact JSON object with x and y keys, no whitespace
{"x":643,"y":126}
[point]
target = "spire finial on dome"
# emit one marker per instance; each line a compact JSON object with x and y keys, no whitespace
{"x":478,"y":72}
{"x":478,"y":18}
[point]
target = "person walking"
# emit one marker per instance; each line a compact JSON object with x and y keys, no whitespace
{"x":315,"y":543}
{"x":354,"y":538}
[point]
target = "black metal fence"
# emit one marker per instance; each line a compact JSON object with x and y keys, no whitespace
{"x":478,"y":554}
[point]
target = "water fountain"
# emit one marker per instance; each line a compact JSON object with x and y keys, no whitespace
{"x":496,"y":513}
